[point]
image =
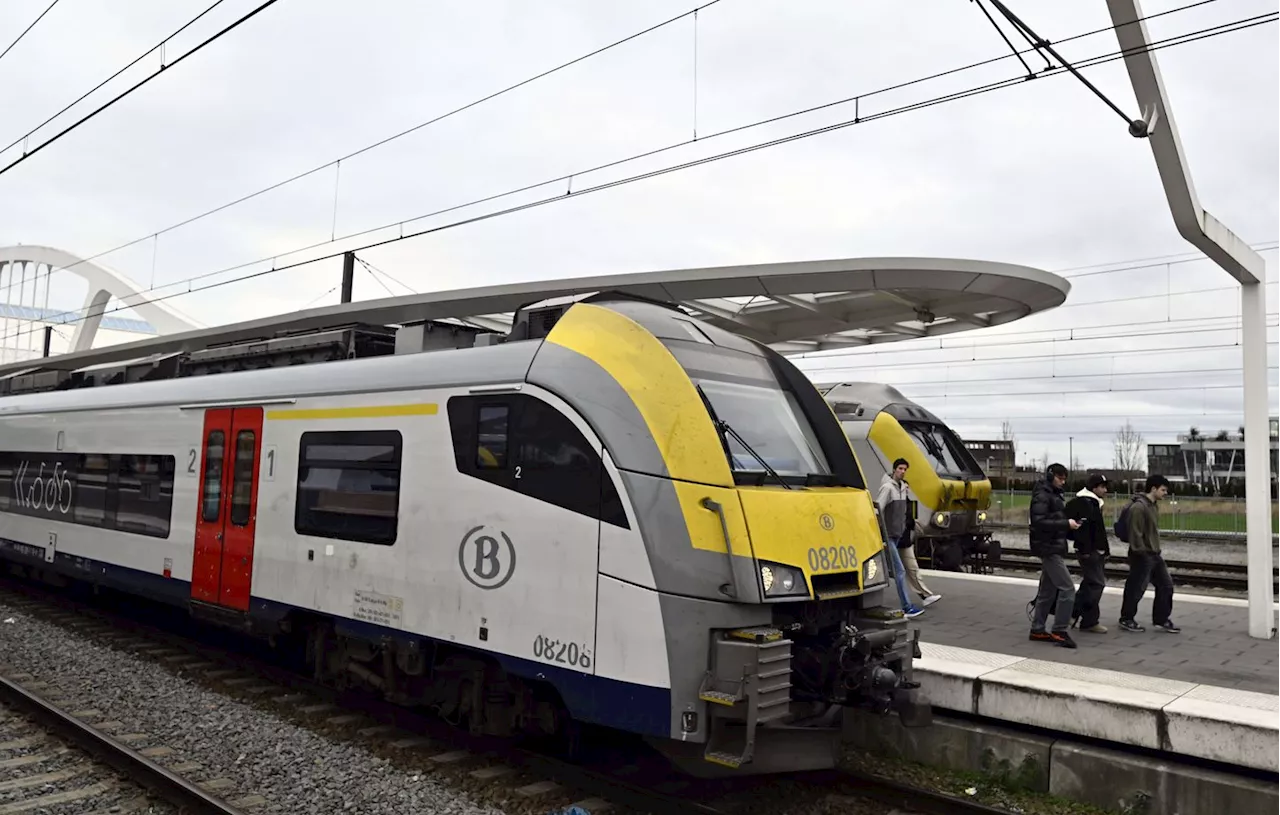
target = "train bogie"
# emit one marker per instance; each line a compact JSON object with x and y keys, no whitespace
{"x":618,"y":516}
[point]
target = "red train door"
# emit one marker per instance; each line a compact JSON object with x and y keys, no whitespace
{"x":223,"y":564}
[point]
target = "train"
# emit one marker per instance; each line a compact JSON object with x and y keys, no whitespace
{"x":613,"y":515}
{"x":953,"y":494}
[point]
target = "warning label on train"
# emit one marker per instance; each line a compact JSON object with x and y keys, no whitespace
{"x":380,"y":609}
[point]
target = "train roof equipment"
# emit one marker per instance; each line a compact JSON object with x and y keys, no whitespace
{"x":794,"y":307}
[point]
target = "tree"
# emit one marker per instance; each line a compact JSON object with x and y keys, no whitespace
{"x":1129,"y":449}
{"x":1006,"y":434}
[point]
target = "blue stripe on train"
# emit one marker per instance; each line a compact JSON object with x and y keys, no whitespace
{"x":598,"y":700}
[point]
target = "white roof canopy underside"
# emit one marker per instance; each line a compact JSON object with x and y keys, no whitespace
{"x":794,"y":307}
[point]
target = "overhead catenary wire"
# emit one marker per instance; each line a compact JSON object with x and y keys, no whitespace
{"x":381,"y":142}
{"x":27,"y":154}
{"x":563,"y":196}
{"x":9,"y":48}
{"x":135,"y":61}
{"x":387,"y":139}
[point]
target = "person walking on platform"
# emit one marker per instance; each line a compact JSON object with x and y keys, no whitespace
{"x":1092,"y":551}
{"x":896,"y":503}
{"x":1139,"y":526}
{"x":1048,"y":536}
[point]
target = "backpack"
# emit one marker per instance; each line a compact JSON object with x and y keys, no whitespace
{"x":1121,"y":526}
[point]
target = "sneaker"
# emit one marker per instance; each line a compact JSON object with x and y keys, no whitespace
{"x":1168,"y":627}
{"x":1096,"y":628}
{"x":1131,"y":625}
{"x":931,"y":599}
{"x":1055,"y":637}
{"x":912,"y":612}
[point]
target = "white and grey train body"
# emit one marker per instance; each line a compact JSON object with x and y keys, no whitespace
{"x":546,"y":529}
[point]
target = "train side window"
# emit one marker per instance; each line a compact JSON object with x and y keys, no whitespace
{"x":491,"y":436}
{"x":141,"y":498}
{"x":349,"y":485}
{"x":6,"y":479}
{"x":242,"y":478}
{"x":93,"y":504}
{"x":212,"y":492}
{"x":521,"y":443}
{"x":556,"y":463}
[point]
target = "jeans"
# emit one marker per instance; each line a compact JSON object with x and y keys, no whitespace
{"x":1093,"y":568}
{"x":908,"y":557}
{"x":899,"y":573}
{"x":1055,"y":582}
{"x":1148,"y":568}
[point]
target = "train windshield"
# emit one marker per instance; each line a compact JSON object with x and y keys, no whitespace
{"x":943,"y":449}
{"x":771,"y":423}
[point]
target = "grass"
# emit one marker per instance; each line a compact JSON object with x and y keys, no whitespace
{"x":1198,"y":514}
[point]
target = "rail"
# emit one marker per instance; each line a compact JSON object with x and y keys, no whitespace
{"x":1231,"y":576}
{"x":173,"y":788}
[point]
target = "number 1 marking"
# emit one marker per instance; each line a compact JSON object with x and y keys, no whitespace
{"x":269,"y":460}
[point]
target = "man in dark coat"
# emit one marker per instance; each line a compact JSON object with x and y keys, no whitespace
{"x":1049,"y":529}
{"x":1092,"y":551}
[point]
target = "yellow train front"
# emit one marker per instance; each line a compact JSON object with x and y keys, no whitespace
{"x":765,"y":546}
{"x":952,"y":492}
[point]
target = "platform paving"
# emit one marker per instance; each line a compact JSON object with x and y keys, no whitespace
{"x":989,"y":614}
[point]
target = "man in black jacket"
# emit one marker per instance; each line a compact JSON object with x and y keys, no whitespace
{"x":1049,"y":529}
{"x":1092,"y":551}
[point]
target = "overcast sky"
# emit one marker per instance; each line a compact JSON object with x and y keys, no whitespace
{"x":1041,"y":174}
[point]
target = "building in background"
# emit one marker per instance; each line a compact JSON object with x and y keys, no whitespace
{"x":1211,"y":461}
{"x":997,"y":457}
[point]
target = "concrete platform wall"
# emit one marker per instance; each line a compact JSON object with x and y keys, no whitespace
{"x":1111,"y":779}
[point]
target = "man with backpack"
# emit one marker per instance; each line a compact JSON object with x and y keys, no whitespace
{"x":1139,"y":526}
{"x":1092,"y":551}
{"x":1050,"y":526}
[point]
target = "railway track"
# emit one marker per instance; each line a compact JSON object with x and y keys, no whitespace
{"x":54,"y":761}
{"x":617,"y":779}
{"x":1229,"y":576}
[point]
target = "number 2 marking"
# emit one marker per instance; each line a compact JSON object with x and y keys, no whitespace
{"x":191,"y":461}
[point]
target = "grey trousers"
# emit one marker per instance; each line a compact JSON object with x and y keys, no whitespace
{"x":1057,"y":593}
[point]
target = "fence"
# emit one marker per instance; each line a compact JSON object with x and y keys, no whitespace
{"x":1176,"y":514}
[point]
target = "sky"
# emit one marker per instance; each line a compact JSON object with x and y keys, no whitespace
{"x":1042,"y":174}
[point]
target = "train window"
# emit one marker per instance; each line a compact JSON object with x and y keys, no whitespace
{"x":93,"y":488}
{"x":557,"y":465}
{"x":524,"y":444}
{"x":242,"y":478}
{"x":349,"y":485}
{"x":143,"y":494}
{"x":491,"y":437}
{"x":131,"y":493}
{"x":213,"y":451}
{"x":6,"y":480}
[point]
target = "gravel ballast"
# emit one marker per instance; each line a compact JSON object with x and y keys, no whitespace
{"x":258,"y":752}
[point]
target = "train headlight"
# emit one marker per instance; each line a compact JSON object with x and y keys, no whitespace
{"x":982,"y":517}
{"x":873,"y":570}
{"x":782,"y":581}
{"x":942,"y":519}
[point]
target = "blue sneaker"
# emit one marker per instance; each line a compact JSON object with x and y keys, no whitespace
{"x":911,"y":612}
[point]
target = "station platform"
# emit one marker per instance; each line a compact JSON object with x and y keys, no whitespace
{"x":1210,"y":692}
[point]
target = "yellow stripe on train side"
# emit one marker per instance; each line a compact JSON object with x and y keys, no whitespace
{"x":370,"y":412}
